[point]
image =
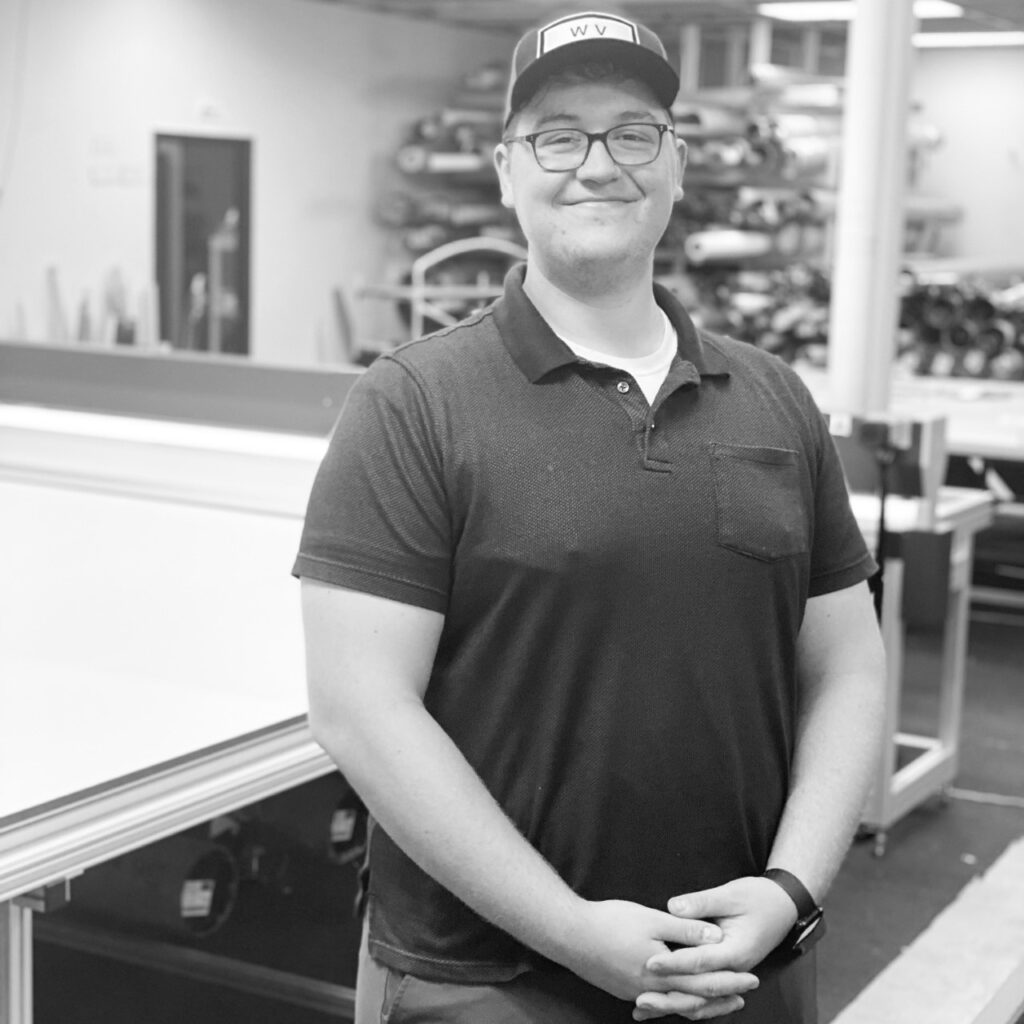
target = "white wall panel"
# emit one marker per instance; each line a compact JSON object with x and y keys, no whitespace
{"x":325,"y":93}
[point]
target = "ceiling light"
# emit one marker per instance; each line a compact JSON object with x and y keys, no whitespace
{"x":843,"y":10}
{"x":936,"y":9}
{"x":950,"y":39}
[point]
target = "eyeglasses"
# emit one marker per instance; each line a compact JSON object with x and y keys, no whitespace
{"x":566,"y":149}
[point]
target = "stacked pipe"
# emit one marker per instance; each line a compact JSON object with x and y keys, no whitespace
{"x":449,"y":188}
{"x":750,"y":223}
{"x":784,"y":148}
{"x":450,"y":140}
{"x":967,"y":329}
{"x":964,"y":329}
{"x":435,"y":217}
{"x":752,"y":182}
{"x":783,"y":311}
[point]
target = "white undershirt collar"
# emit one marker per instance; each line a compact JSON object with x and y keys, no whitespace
{"x":648,"y":371}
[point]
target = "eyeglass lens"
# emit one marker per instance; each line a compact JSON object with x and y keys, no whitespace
{"x":564,"y":149}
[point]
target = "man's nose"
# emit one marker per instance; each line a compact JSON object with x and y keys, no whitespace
{"x":599,"y":162}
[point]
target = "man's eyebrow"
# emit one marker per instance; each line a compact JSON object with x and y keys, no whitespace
{"x":557,"y":117}
{"x":623,"y":117}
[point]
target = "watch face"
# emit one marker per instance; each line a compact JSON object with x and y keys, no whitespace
{"x":808,"y":931}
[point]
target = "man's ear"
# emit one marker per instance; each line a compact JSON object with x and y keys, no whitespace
{"x":681,"y":152}
{"x":501,"y":165}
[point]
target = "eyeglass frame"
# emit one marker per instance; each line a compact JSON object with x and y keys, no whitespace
{"x":591,"y":138}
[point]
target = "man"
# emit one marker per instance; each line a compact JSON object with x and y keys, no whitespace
{"x":586,"y":618}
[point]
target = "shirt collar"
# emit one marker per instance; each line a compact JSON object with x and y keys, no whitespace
{"x":537,"y":350}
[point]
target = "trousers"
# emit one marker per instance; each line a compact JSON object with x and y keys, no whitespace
{"x":787,"y":995}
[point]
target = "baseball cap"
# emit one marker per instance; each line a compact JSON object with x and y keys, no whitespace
{"x":588,"y":36}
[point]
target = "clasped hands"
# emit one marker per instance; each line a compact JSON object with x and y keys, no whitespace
{"x":695,"y":960}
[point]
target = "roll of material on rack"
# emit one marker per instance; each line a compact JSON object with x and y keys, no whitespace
{"x":725,"y":245}
{"x":960,"y":328}
{"x":420,"y":160}
{"x":399,"y":209}
{"x":806,"y":156}
{"x":181,"y":886}
{"x":439,"y":125}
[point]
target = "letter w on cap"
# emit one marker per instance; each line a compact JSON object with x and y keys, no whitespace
{"x":581,"y":30}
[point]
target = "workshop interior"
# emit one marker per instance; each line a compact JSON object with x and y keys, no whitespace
{"x":216,"y":214}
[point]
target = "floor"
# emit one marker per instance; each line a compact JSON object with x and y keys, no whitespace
{"x":877,"y":907}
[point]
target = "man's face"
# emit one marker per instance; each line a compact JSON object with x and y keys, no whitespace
{"x":601,"y":212}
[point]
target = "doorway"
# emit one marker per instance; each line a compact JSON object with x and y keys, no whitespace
{"x":203,"y":220}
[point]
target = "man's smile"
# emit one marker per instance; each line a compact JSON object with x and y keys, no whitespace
{"x":595,"y":201}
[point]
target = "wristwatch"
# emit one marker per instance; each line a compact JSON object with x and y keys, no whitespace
{"x":810,"y":918}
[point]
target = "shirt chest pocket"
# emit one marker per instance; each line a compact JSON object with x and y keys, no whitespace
{"x":760,"y":505}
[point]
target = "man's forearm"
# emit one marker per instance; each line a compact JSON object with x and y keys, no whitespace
{"x":838,"y":746}
{"x":840,"y":712}
{"x":424,"y":794}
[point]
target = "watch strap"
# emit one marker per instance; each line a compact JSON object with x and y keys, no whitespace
{"x":795,"y":890}
{"x":810,"y":920}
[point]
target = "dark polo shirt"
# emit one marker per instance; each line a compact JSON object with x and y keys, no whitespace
{"x":622,"y":587}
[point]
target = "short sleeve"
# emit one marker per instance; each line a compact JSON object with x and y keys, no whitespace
{"x":839,"y":556}
{"x":377,"y":519}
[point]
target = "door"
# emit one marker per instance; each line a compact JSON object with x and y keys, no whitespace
{"x":202,"y":242}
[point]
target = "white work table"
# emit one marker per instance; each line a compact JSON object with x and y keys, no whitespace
{"x":983,"y":417}
{"x":151,"y":664}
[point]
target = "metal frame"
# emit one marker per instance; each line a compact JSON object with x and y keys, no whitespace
{"x":15,"y":964}
{"x":52,"y":843}
{"x":896,"y":790}
{"x":426,"y":300}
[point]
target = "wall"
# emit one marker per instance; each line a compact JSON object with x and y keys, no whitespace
{"x":324,"y":92}
{"x":974,"y":97}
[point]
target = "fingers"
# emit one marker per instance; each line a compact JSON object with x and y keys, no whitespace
{"x":691,"y":960}
{"x":710,"y":903}
{"x":711,"y":985}
{"x":685,"y":931}
{"x":697,"y":996}
{"x":652,"y":1005}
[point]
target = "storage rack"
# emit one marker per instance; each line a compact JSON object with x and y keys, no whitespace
{"x":750,"y":243}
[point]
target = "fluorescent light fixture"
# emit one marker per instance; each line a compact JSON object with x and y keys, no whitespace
{"x":925,"y":9}
{"x":939,"y":40}
{"x":843,"y":10}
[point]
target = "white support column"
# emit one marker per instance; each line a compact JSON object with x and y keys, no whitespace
{"x":689,"y":59}
{"x":736,"y":49}
{"x":760,"y":42}
{"x":810,"y":51}
{"x":15,"y":964}
{"x":869,"y":221}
